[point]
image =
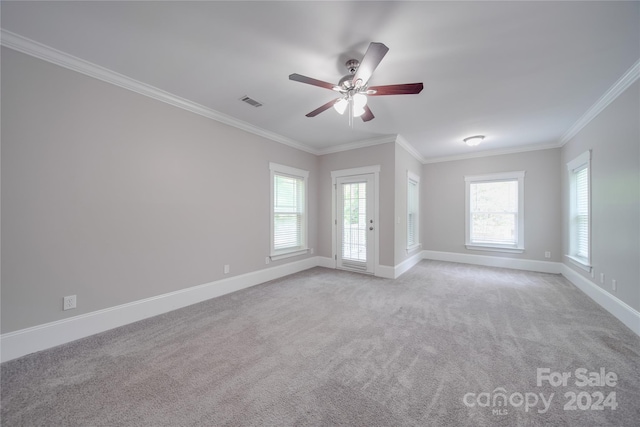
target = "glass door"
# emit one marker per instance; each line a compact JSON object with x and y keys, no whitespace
{"x":355,"y":223}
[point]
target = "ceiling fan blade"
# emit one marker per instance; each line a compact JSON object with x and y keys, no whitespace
{"x":403,"y":89}
{"x":370,"y":61}
{"x":309,"y":80}
{"x":322,"y":108}
{"x":368,"y":115}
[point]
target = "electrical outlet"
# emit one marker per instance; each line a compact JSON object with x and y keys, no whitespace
{"x":547,"y":254}
{"x":602,"y":278}
{"x":614,"y":284}
{"x":226,"y":269}
{"x":311,"y":251}
{"x":267,"y":260}
{"x":69,"y":302}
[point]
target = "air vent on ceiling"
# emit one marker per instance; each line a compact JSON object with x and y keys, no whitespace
{"x":250,"y":101}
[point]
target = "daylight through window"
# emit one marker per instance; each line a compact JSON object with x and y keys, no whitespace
{"x":579,"y":211}
{"x":413,"y":211}
{"x":288,"y":213}
{"x":494,"y":211}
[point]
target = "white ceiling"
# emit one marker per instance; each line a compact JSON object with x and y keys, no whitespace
{"x":521,"y":73}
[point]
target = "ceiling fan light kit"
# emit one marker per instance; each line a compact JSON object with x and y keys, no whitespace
{"x":341,"y":105}
{"x":472,"y":141}
{"x":357,"y":102}
{"x":354,"y":86}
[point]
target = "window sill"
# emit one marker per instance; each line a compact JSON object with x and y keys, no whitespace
{"x":511,"y":250}
{"x":580,"y":263}
{"x":288,"y":254}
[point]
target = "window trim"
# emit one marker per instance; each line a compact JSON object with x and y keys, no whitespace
{"x":580,"y":162}
{"x":278,"y":169}
{"x":413,"y":178}
{"x":495,"y":177}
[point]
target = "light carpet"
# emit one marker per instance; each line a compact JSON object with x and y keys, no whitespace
{"x":445,"y":344}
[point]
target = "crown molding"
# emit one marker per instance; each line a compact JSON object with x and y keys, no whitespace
{"x":46,"y":53}
{"x":38,"y":50}
{"x":623,"y":83}
{"x":401,"y":141}
{"x":358,"y":144}
{"x":488,"y":153}
{"x":609,"y":96}
{"x":398,"y":139}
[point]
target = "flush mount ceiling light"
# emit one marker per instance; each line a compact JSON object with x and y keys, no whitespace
{"x":472,"y":141}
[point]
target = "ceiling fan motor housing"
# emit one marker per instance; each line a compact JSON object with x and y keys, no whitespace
{"x":346,"y":81}
{"x":352,"y":65}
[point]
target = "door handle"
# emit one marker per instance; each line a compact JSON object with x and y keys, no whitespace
{"x":370,"y":228}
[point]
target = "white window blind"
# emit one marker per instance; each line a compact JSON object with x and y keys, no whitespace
{"x":582,"y":213}
{"x":413,"y":208}
{"x":579,"y":211}
{"x":288,"y":212}
{"x":494,"y":212}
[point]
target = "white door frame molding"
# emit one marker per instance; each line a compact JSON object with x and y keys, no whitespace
{"x":375,"y":170}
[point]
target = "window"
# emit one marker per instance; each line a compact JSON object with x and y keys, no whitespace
{"x":413,"y":211}
{"x":288,"y":211}
{"x":495,"y":212}
{"x":579,"y":209}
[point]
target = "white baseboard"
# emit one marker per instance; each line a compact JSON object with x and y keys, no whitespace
{"x":326,"y":262}
{"x":622,"y":311}
{"x":385,"y":271}
{"x":494,"y":261}
{"x":29,"y":340}
{"x":407,"y":264}
{"x":41,"y":337}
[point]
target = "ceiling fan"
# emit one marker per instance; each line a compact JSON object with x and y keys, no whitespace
{"x":354,"y":87}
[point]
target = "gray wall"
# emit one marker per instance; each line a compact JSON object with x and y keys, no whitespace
{"x":115,"y":197}
{"x":404,"y":162}
{"x":443,"y":207}
{"x":382,"y":155}
{"x":614,"y":138}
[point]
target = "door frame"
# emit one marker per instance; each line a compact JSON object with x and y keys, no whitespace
{"x":366,"y":170}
